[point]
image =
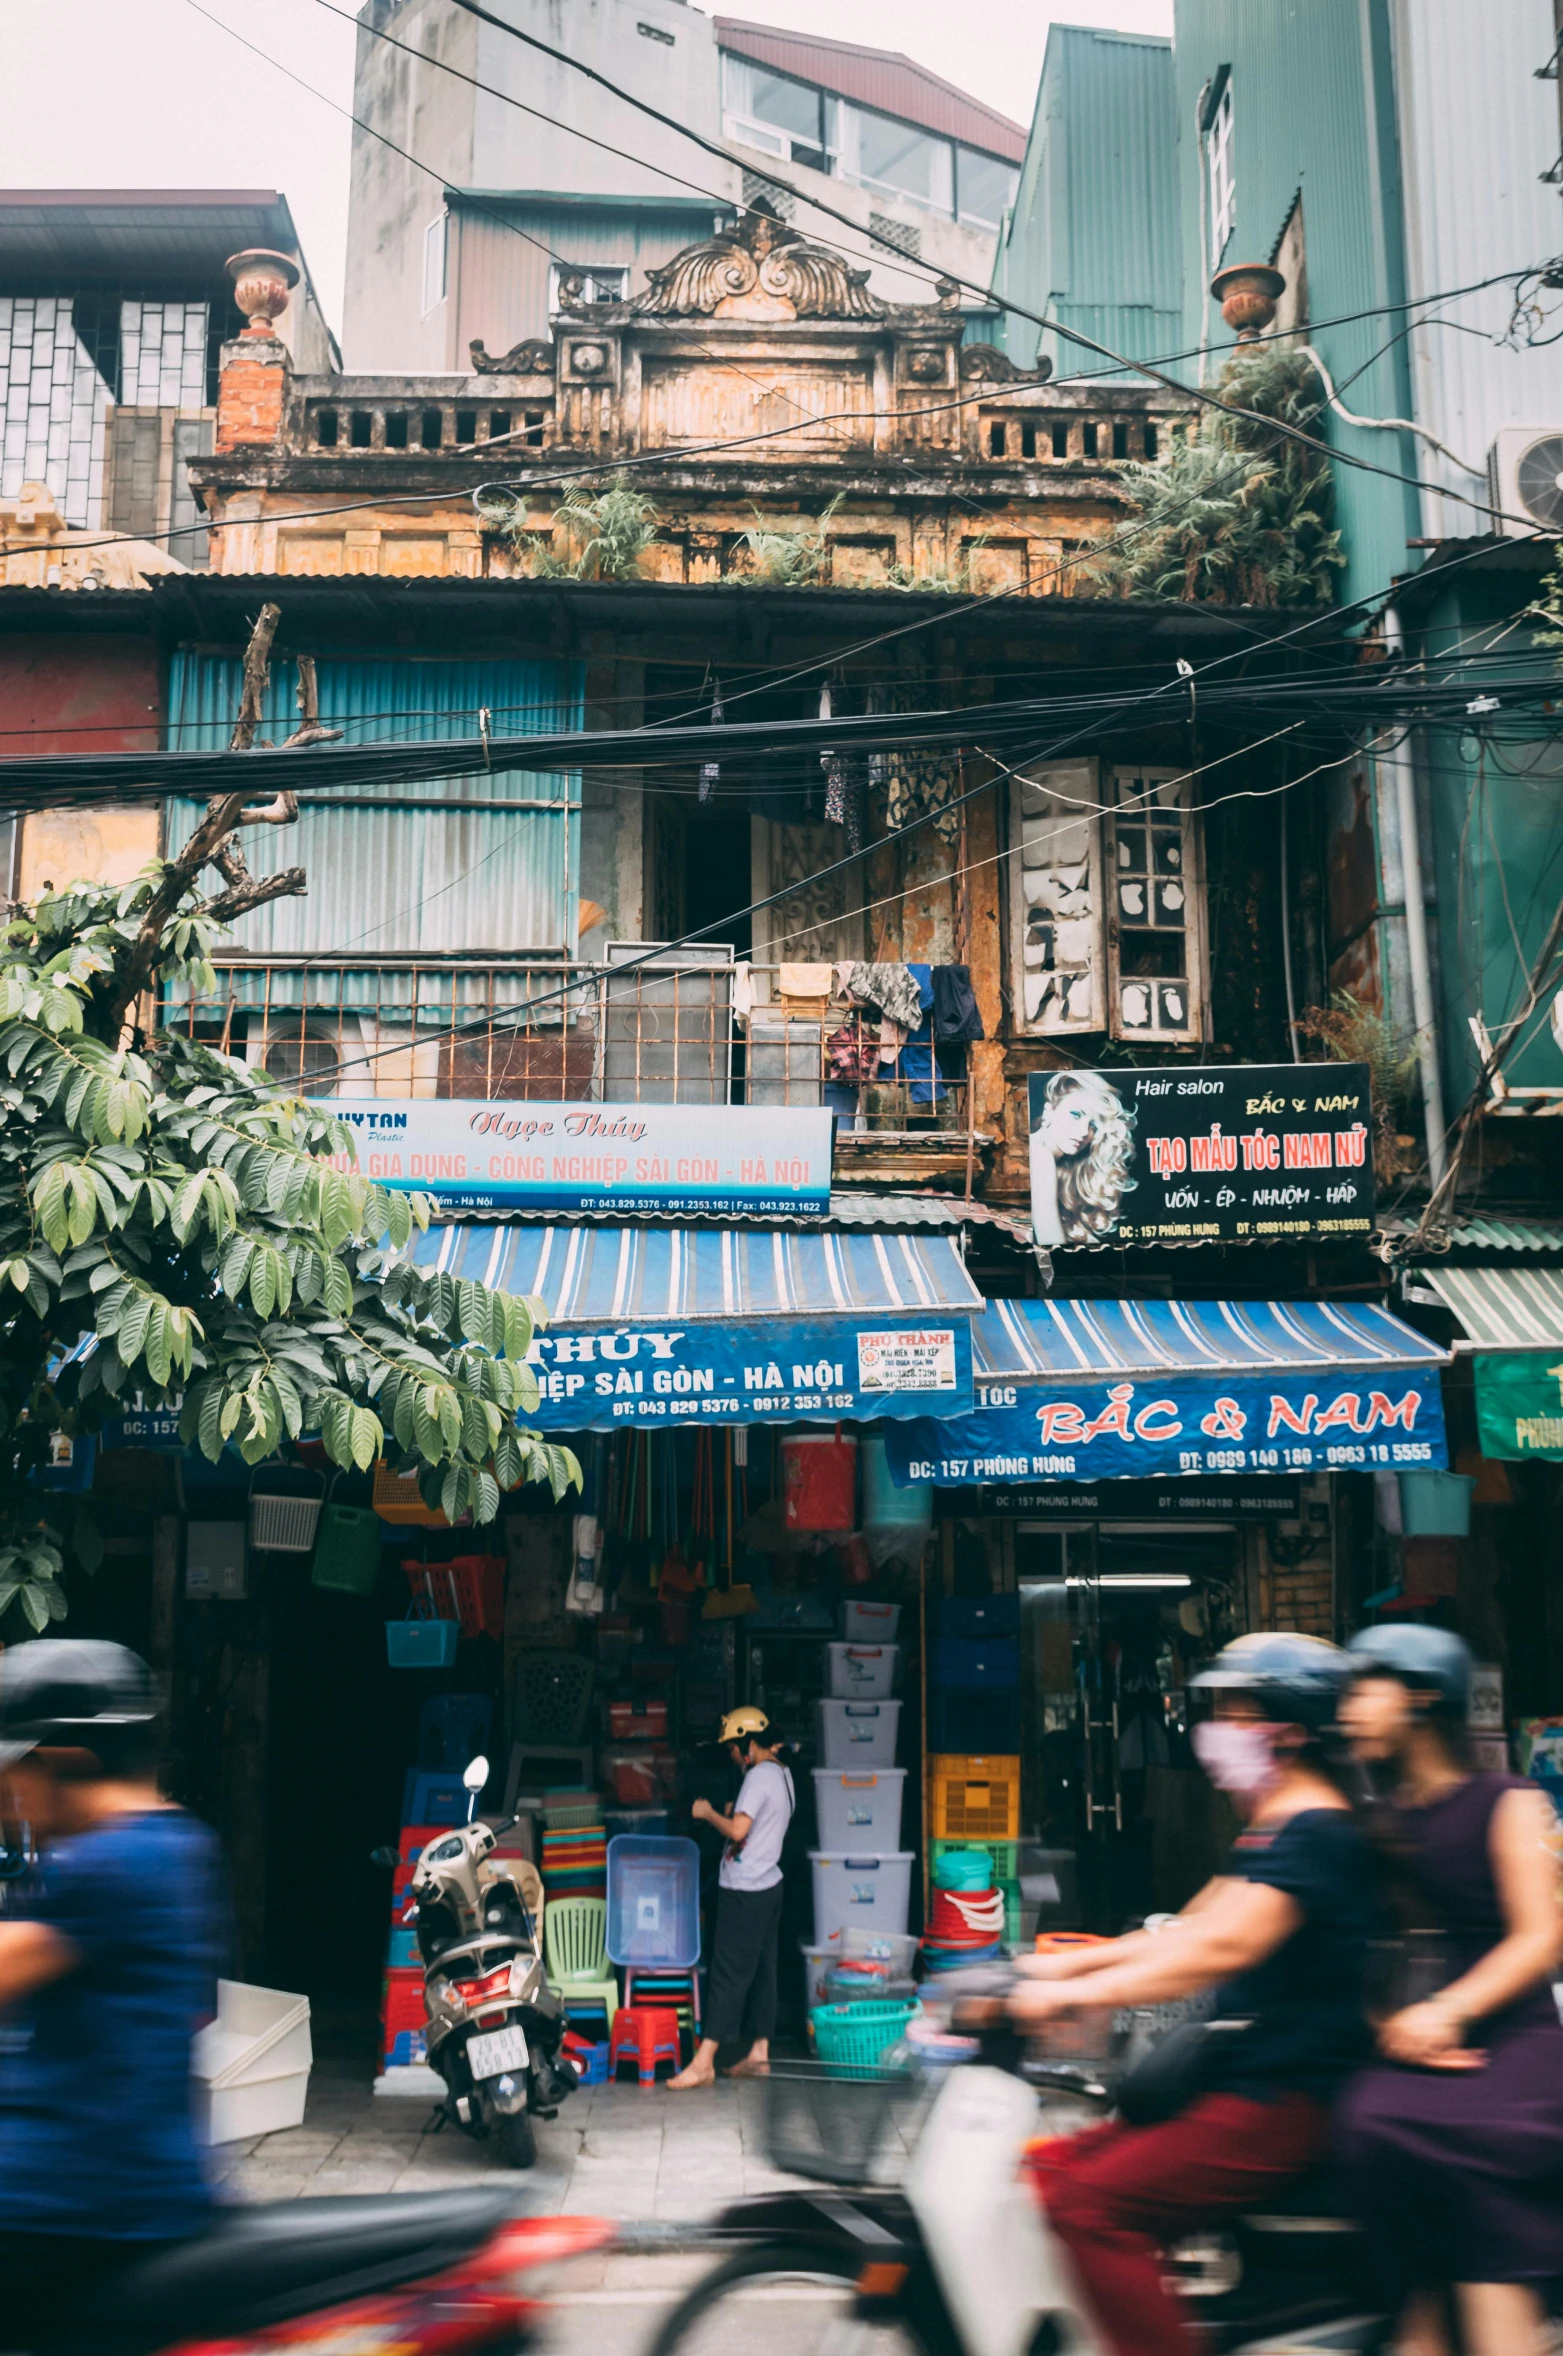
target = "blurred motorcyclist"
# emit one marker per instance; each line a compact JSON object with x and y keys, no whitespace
{"x":108,"y":1962}
{"x":1453,"y":2144}
{"x":1282,"y":1934}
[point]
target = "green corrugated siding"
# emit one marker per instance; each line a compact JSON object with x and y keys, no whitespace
{"x":1093,"y":239}
{"x":415,"y":879}
{"x":1313,"y":111}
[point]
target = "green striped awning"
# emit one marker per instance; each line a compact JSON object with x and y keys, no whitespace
{"x":1503,"y":1308}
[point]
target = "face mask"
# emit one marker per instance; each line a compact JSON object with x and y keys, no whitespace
{"x":1237,"y":1757}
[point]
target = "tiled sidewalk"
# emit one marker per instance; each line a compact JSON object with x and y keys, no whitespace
{"x":613,"y":2151}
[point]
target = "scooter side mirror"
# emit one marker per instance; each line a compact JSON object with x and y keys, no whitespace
{"x":477,"y":1773}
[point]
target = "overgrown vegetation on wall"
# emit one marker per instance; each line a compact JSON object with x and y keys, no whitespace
{"x":1237,"y":513}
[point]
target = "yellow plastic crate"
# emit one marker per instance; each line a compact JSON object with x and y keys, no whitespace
{"x":973,"y":1799}
{"x":397,"y":1498}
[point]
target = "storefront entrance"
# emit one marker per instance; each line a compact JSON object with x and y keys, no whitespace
{"x":1113,"y":1617}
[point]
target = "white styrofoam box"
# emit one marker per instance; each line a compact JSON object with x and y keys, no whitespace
{"x":869,"y":1623}
{"x":859,"y":1807}
{"x":857,"y":1734}
{"x":250,"y":2066}
{"x":860,"y":1888}
{"x":861,"y":1672}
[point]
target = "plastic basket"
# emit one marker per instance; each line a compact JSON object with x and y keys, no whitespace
{"x":1003,"y":1859}
{"x":855,"y":2036}
{"x":837,"y":2123}
{"x":397,"y":1498}
{"x":347,"y":1550}
{"x":416,"y":1643}
{"x":973,"y":1798}
{"x":284,"y":1525}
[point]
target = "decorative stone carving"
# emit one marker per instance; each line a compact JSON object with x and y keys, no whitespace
{"x":1248,"y":293}
{"x":986,"y":364}
{"x":588,"y":359}
{"x":533,"y":357}
{"x":759,"y":270}
{"x":262,"y":282}
{"x":925,"y":366}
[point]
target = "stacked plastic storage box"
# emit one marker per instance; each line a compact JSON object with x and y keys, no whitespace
{"x":862,"y":1875}
{"x":973,"y":1766}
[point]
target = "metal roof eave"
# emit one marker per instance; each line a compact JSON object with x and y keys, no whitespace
{"x":1081,"y":1340}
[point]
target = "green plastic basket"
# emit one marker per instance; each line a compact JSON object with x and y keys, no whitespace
{"x":347,"y":1550}
{"x":854,"y":2036}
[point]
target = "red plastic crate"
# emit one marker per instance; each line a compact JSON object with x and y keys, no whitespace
{"x":471,"y":1585}
{"x":404,"y":2006}
{"x":648,"y":1723}
{"x":640,"y":1778}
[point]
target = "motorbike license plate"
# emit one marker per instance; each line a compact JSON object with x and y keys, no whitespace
{"x":500,"y":2050}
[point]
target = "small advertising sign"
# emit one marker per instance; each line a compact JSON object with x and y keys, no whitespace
{"x":1261,"y":1153}
{"x":522,"y":1155}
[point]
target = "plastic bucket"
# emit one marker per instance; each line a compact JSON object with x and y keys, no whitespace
{"x":819,"y":1473}
{"x":885,"y":1507}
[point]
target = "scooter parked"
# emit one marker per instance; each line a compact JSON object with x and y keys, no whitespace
{"x":959,"y":2259}
{"x":495,"y":2028}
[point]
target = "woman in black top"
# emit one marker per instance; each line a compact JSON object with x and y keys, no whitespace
{"x":1282,"y":1936}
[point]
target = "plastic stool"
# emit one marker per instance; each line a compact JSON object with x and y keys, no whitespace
{"x":644,"y":2035}
{"x":680,"y":1991}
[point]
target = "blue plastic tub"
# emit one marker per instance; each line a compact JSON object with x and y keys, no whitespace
{"x":976,"y":1615}
{"x":975,"y":1664}
{"x":653,"y":1903}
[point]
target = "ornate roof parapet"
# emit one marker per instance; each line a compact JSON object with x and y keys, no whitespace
{"x":760,"y":269}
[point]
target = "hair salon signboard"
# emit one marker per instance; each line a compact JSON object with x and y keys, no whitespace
{"x":1248,"y":1153}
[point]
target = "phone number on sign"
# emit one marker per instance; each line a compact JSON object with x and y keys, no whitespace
{"x":769,"y":1403}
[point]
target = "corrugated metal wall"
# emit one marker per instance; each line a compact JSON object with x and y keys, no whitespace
{"x":1313,"y":113}
{"x":406,"y":878}
{"x":1477,"y":130}
{"x":501,"y":278}
{"x":1094,"y":235}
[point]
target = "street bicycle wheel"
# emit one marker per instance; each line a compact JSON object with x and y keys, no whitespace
{"x":776,"y":2301}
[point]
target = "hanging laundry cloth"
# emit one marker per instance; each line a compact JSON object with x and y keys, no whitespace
{"x":955,"y":1010}
{"x":711,"y":771}
{"x":835,"y":768}
{"x":920,"y":782}
{"x":889,"y":987}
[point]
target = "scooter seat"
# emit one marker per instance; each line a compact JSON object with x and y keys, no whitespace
{"x":279,"y":2259}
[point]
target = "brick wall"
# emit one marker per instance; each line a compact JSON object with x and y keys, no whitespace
{"x":251,"y":393}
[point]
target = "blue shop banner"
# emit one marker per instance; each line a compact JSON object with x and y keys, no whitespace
{"x":776,"y":1370}
{"x":1349,"y":1419}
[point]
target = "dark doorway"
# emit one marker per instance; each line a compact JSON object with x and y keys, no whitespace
{"x":716,"y":876}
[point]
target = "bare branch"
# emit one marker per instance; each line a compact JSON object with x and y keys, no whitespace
{"x":289,"y":883}
{"x":282,"y":812}
{"x":257,"y":677}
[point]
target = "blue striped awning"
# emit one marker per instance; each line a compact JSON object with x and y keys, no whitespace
{"x":650,"y":1327}
{"x":614,"y":1275}
{"x":1052,"y":1341}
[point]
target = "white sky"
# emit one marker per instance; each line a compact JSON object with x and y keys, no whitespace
{"x":149,"y":94}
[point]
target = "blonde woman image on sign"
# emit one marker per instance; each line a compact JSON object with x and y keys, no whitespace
{"x":1081,"y":1148}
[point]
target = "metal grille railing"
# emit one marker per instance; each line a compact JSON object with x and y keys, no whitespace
{"x":663,"y":1032}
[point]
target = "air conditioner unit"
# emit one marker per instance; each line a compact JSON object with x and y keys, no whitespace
{"x":1525,"y":478}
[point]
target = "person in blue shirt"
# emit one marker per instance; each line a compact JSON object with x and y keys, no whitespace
{"x":109,"y":1953}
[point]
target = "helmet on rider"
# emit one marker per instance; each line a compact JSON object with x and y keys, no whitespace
{"x":746,"y":1726}
{"x":1427,"y":1660}
{"x":1295,"y":1680}
{"x":77,"y":1693}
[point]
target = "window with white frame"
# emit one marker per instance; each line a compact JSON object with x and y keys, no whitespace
{"x":1219,"y":166}
{"x":599,"y":283}
{"x":436,"y":251}
{"x":1107,"y":910}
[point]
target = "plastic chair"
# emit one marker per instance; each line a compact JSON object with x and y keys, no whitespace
{"x":553,"y":1699}
{"x":575,"y":1944}
{"x":644,"y":2036}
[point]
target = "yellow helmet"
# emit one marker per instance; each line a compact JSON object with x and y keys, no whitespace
{"x":748,"y":1725}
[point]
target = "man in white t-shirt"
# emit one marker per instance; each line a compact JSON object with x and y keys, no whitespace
{"x":741,"y":1991}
